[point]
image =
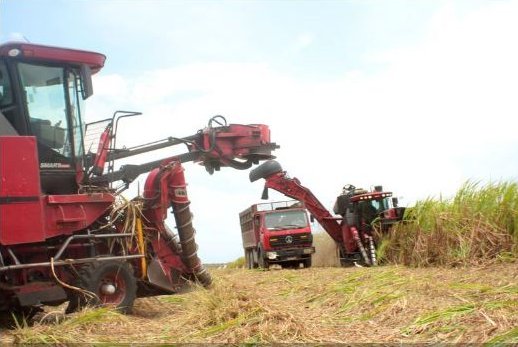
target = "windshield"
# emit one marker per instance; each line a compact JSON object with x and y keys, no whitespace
{"x":381,"y":205}
{"x":370,"y":210}
{"x":285,"y":220}
{"x":50,"y":93}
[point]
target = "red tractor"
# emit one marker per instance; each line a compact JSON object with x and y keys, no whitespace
{"x":359,"y":211}
{"x":66,"y":233}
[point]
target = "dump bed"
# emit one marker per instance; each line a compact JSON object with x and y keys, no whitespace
{"x":246,"y":219}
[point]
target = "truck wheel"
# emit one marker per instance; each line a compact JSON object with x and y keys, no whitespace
{"x":249,"y":259}
{"x":263,"y":263}
{"x":112,"y":282}
{"x":253,"y":257}
{"x":307,"y":262}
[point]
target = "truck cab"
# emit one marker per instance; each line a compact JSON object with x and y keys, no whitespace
{"x":276,"y":233}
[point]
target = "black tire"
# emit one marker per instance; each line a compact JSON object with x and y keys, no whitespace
{"x":253,"y":256}
{"x":93,"y":277}
{"x":263,"y":262}
{"x":252,"y":264}
{"x":18,"y":316}
{"x":307,"y":263}
{"x":264,"y":170}
{"x":249,"y":259}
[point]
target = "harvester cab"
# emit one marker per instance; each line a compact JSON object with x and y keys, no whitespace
{"x":364,"y":208}
{"x":42,"y":91}
{"x":62,"y":219}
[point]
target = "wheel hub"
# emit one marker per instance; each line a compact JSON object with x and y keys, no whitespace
{"x":108,"y":289}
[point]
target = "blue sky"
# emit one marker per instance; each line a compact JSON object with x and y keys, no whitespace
{"x":419,"y":96}
{"x":139,"y":35}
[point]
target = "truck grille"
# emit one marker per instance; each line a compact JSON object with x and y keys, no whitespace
{"x":296,"y":239}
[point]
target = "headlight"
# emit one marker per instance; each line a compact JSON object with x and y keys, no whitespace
{"x":271,"y":255}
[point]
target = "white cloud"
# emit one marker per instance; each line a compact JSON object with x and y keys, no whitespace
{"x":417,"y":126}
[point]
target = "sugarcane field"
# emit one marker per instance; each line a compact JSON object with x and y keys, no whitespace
{"x":389,"y":304}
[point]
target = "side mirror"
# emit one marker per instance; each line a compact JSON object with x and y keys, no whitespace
{"x":312,"y":218}
{"x":86,"y":81}
{"x":395,"y":201}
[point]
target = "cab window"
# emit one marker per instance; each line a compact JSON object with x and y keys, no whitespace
{"x":6,"y":96}
{"x":44,"y":88}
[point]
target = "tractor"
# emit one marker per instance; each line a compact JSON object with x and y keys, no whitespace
{"x":67,"y":234}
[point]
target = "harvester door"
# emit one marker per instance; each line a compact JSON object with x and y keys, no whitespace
{"x":52,"y":107}
{"x":21,"y":213}
{"x":6,"y":103}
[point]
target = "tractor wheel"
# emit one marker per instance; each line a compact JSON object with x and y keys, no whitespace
{"x":18,"y":316}
{"x":112,"y":282}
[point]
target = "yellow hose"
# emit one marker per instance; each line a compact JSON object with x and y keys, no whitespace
{"x":141,"y":248}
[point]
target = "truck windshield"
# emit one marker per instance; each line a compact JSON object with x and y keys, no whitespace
{"x":285,"y":220}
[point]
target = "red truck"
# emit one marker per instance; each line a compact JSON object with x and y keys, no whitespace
{"x":276,"y":233}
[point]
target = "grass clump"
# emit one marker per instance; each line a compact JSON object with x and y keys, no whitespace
{"x":73,"y":329}
{"x":510,"y":337}
{"x":239,"y":263}
{"x":479,"y":224}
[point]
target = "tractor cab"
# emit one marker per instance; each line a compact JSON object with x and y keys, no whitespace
{"x":361,"y":208}
{"x":42,"y":90}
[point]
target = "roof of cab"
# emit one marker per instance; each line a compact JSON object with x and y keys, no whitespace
{"x":55,"y":54}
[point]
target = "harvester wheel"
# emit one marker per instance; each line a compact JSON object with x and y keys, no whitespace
{"x":112,"y":282}
{"x":18,"y":316}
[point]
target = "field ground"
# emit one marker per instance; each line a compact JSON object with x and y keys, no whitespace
{"x":387,"y":304}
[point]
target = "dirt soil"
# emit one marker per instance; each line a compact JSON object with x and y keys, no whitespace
{"x":387,"y":304}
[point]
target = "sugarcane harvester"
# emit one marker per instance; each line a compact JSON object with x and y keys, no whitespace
{"x":66,"y":232}
{"x":358,"y":211}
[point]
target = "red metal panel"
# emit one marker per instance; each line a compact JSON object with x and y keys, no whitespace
{"x":21,"y":217}
{"x":67,"y":214}
{"x":49,"y":53}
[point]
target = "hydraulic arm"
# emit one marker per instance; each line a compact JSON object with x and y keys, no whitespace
{"x":277,"y":179}
{"x":235,"y":145}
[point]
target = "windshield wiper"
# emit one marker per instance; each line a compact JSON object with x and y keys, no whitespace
{"x":289,"y":226}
